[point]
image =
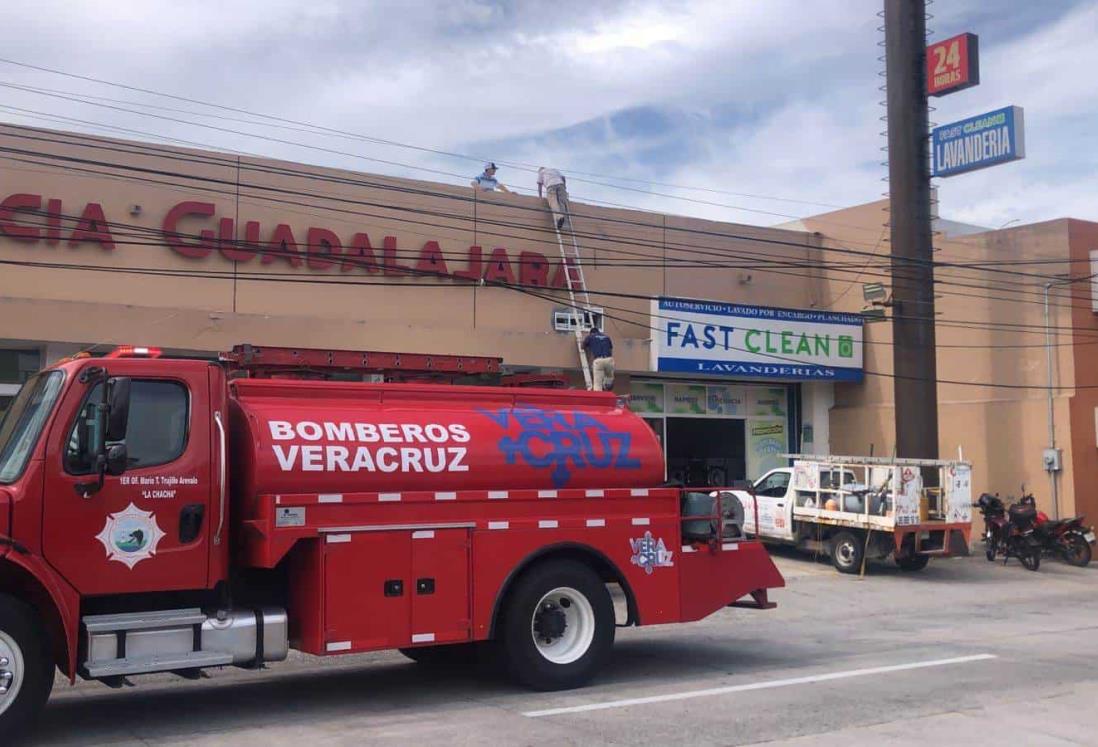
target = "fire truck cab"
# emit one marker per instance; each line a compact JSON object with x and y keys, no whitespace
{"x":174,"y":515}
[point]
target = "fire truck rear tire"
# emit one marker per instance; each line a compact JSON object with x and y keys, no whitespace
{"x":557,"y":628}
{"x":27,"y":674}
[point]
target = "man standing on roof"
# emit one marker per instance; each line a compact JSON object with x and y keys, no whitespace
{"x":601,"y":348}
{"x":551,"y":182}
{"x":487,"y":181}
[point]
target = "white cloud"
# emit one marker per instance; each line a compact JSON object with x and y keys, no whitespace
{"x":774,"y":98}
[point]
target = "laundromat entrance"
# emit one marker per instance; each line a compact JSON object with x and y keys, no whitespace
{"x":706,"y":452}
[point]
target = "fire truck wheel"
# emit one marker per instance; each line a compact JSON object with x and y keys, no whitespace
{"x":846,"y":552}
{"x":558,"y":626}
{"x":26,"y":666}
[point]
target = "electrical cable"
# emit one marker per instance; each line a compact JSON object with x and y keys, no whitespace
{"x":596,"y":237}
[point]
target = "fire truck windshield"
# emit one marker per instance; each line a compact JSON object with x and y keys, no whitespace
{"x":23,"y":422}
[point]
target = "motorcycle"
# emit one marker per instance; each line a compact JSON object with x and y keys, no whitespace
{"x":1010,"y":532}
{"x":1068,"y":539}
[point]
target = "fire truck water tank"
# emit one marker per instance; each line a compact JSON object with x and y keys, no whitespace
{"x":334,"y":437}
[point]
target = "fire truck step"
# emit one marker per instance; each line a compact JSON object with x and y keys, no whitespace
{"x":163,"y":663}
{"x":143,"y":620}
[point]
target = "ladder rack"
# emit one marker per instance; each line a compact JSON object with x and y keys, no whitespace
{"x":265,"y":362}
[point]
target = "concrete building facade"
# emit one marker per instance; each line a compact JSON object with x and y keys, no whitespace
{"x":106,"y":242}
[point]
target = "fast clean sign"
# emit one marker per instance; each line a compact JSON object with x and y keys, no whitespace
{"x":707,"y":337}
{"x":978,"y":142}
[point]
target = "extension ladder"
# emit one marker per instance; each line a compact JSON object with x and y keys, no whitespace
{"x":580,"y":301}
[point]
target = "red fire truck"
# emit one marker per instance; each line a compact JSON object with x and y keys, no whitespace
{"x":170,"y":515}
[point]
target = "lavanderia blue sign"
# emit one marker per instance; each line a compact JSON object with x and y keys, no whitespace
{"x":978,"y":142}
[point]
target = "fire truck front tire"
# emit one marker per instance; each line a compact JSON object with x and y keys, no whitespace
{"x":557,"y":627}
{"x":26,"y":667}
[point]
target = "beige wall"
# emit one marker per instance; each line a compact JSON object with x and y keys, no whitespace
{"x":632,"y":254}
{"x":1001,"y":430}
{"x":269,"y":304}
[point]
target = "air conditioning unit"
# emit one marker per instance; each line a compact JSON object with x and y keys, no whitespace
{"x":564,"y":320}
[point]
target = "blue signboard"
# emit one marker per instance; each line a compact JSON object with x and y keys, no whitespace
{"x":727,"y":339}
{"x":978,"y":142}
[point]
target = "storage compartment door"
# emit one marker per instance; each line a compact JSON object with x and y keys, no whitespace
{"x":367,"y":598}
{"x":440,"y":586}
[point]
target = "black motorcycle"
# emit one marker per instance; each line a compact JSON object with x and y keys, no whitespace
{"x":1067,"y":539}
{"x":1010,"y":532}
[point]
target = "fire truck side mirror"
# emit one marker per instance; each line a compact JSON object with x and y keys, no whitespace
{"x":118,"y":408}
{"x":117,"y":459}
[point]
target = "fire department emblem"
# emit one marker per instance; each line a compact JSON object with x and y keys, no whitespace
{"x":650,"y":552}
{"x":130,"y":536}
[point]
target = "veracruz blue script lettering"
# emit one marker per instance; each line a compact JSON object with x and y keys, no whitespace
{"x":561,"y":442}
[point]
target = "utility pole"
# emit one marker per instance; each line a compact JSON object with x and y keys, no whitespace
{"x":913,"y":348}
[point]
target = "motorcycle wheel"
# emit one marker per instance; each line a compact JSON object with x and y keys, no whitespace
{"x":1031,"y":559}
{"x":1076,"y":550}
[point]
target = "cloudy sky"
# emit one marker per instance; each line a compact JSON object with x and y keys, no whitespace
{"x":752,"y":111}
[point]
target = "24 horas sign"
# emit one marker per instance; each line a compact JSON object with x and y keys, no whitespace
{"x":198,"y":231}
{"x":707,"y":337}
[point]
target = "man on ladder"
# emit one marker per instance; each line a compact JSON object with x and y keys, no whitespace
{"x":551,"y":183}
{"x":599,"y":373}
{"x":601,"y":348}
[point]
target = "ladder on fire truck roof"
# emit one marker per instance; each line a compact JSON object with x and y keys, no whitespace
{"x":580,"y":301}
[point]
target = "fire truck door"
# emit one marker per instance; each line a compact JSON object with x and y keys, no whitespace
{"x":148,"y":529}
{"x":367,"y":595}
{"x":440,"y":578}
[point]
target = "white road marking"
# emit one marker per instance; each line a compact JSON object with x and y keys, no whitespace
{"x":758,"y":686}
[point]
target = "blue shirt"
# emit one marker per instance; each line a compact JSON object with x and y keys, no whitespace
{"x":598,"y":344}
{"x":487,"y":183}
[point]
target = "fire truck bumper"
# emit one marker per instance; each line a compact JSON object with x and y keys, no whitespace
{"x":712,"y":578}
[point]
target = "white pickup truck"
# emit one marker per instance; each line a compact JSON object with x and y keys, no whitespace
{"x":858,"y":508}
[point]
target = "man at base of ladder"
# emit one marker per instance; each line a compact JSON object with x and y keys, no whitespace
{"x":551,"y":183}
{"x":601,"y":348}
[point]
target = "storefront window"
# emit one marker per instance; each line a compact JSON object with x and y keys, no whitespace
{"x":16,"y":366}
{"x":715,"y":434}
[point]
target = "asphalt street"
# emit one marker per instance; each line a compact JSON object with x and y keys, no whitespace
{"x":965,"y":651}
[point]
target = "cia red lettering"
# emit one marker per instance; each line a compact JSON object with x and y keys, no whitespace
{"x":360,"y":254}
{"x":282,"y":245}
{"x":228,"y":246}
{"x":431,"y":261}
{"x":389,"y":258}
{"x":475,"y":267}
{"x":533,"y":269}
{"x":321,"y":244}
{"x":499,"y":267}
{"x":174,"y":239}
{"x":92,"y":227}
{"x":14,"y":227}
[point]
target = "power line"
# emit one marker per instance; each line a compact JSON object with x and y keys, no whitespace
{"x":360,"y":182}
{"x":536,"y":293}
{"x":715,"y":264}
{"x":264,"y":249}
{"x":319,"y":129}
{"x":988,"y":325}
